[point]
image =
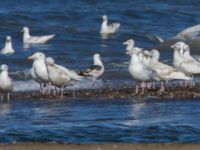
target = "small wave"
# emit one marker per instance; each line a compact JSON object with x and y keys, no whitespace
{"x":30,"y":85}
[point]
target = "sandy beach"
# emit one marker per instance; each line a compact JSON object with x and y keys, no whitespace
{"x":100,"y":147}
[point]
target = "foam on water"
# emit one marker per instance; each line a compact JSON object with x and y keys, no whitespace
{"x":31,"y":85}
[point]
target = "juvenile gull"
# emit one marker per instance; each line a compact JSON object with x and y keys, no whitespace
{"x":60,"y":76}
{"x":183,"y":61}
{"x":28,"y":39}
{"x":108,"y":29}
{"x":6,"y":85}
{"x":8,"y":49}
{"x":95,"y":71}
{"x":39,"y":69}
{"x":164,"y":71}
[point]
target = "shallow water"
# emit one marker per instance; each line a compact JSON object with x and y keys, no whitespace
{"x":100,"y":121}
{"x":76,"y":25}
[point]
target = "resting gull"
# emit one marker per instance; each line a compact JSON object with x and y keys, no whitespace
{"x":60,"y":76}
{"x":8,"y":49}
{"x":183,"y":61}
{"x":39,"y":69}
{"x":6,"y":85}
{"x":164,"y":71}
{"x":108,"y":29}
{"x":28,"y":39}
{"x":95,"y":71}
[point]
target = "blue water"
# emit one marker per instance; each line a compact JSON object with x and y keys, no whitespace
{"x":100,"y":121}
{"x":76,"y":25}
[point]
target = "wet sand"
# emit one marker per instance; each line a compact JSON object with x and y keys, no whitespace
{"x":123,"y":92}
{"x":101,"y":147}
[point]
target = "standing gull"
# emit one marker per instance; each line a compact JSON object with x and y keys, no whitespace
{"x":28,"y":39}
{"x":39,"y":69}
{"x":95,"y":71}
{"x":8,"y":49}
{"x":140,"y":71}
{"x":164,"y":71}
{"x":130,"y":47}
{"x":6,"y":85}
{"x":108,"y":29}
{"x":60,"y":76}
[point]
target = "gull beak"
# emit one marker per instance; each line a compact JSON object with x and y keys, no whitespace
{"x":30,"y":57}
{"x":173,"y":46}
{"x":128,"y":52}
{"x":125,"y":43}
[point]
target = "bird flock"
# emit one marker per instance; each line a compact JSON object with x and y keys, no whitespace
{"x":145,"y":66}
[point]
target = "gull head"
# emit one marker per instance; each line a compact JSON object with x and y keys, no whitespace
{"x":97,"y":56}
{"x":4,"y":67}
{"x":180,"y":47}
{"x":104,"y":17}
{"x":154,"y":53}
{"x":8,"y":39}
{"x":37,"y":56}
{"x":146,"y":52}
{"x":140,"y":56}
{"x":129,"y":42}
{"x":25,"y":29}
{"x":50,"y":61}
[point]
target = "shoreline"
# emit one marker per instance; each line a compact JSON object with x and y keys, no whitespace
{"x":150,"y":146}
{"x":121,"y":93}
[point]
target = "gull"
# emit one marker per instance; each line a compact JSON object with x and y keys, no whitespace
{"x":139,"y":71}
{"x":146,"y":57}
{"x":28,"y":39}
{"x":164,"y":71}
{"x":39,"y":69}
{"x":8,"y":49}
{"x":6,"y":85}
{"x":95,"y":71}
{"x":189,"y":35}
{"x":60,"y":76}
{"x":108,"y":29}
{"x":183,"y":61}
{"x":130,"y":47}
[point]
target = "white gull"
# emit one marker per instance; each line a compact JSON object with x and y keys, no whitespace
{"x":95,"y":71}
{"x":39,"y":69}
{"x":6,"y":85}
{"x":183,"y":61}
{"x":8,"y":48}
{"x":28,"y":39}
{"x":139,"y":71}
{"x":108,"y":29}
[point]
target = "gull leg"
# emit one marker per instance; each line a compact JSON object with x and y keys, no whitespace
{"x":143,"y":84}
{"x":153,"y":85}
{"x":192,"y":83}
{"x":41,"y":87}
{"x":93,"y":82}
{"x":149,"y":85}
{"x":181,"y":83}
{"x":1,"y":97}
{"x":8,"y":97}
{"x":62,"y":91}
{"x":54,"y":91}
{"x":162,"y":88}
{"x":136,"y":89}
